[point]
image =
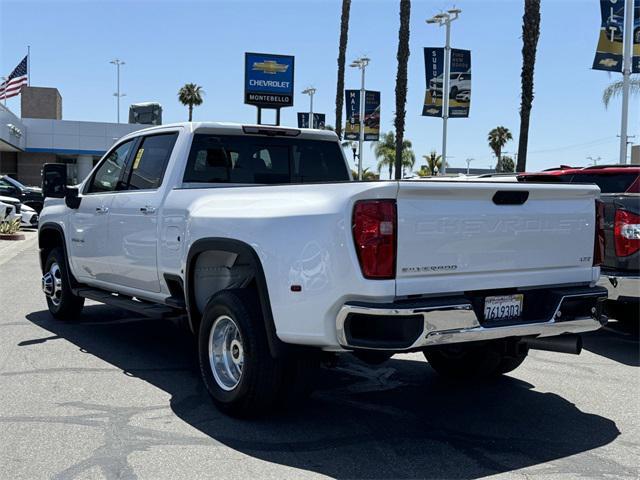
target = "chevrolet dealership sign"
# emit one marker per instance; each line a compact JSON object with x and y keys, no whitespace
{"x":268,"y":80}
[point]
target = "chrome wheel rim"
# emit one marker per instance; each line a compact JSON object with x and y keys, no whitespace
{"x":52,"y":284}
{"x":226,"y":353}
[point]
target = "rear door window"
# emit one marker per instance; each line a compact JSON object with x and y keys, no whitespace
{"x":146,"y":168}
{"x":260,"y":160}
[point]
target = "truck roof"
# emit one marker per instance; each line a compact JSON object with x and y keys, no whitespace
{"x":230,"y":128}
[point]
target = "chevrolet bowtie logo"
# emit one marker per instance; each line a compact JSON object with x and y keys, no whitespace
{"x":608,"y":62}
{"x":270,"y":66}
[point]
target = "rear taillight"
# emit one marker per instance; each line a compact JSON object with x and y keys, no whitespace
{"x":626,"y":233}
{"x":374,"y":233}
{"x":598,"y":244}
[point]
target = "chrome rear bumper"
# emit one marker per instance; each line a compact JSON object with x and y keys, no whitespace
{"x":444,"y":321}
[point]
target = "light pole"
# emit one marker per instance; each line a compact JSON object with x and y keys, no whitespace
{"x":310,"y":91}
{"x":361,"y":63}
{"x":626,"y":77}
{"x":469,"y":160}
{"x":595,"y":160}
{"x":4,"y":80}
{"x":445,"y":19}
{"x":118,"y":95}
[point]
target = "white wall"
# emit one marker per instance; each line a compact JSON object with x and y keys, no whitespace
{"x":65,"y":136}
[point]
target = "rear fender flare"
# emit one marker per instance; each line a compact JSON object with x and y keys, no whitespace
{"x":276,"y":346}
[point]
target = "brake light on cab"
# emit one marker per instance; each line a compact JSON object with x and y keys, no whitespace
{"x":626,"y":233}
{"x":374,"y":227}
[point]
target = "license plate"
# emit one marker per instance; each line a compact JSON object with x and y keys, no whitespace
{"x":503,"y":307}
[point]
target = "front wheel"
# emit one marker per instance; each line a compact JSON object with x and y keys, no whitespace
{"x":237,"y":368}
{"x":476,"y":361}
{"x":62,"y":302}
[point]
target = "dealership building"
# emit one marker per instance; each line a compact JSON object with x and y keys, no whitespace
{"x":40,"y":136}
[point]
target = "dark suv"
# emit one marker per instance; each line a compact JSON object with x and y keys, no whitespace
{"x":30,"y":196}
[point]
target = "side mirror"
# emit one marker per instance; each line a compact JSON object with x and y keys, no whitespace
{"x":54,"y":180}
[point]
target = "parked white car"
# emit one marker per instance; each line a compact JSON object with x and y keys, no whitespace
{"x":29,"y":217}
{"x":258,"y":237}
{"x":11,"y":208}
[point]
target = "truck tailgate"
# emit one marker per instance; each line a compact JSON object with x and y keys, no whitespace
{"x":461,"y":236}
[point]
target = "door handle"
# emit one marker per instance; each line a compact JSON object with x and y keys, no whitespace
{"x":148,"y":209}
{"x":102,"y":209}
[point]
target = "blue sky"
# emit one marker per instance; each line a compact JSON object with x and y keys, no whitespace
{"x":168,"y":43}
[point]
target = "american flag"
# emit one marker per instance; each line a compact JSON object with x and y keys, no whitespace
{"x":14,"y":82}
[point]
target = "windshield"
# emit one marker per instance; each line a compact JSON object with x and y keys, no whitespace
{"x":6,"y":179}
{"x":263,"y":160}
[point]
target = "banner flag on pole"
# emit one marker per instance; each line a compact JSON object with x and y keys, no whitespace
{"x":319,"y":120}
{"x":371,"y":115}
{"x":14,"y":82}
{"x":609,"y":51}
{"x":635,"y":62}
{"x":459,"y":83}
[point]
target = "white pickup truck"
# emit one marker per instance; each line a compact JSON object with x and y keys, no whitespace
{"x":260,"y":239}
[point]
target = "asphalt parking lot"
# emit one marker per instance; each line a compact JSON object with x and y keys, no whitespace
{"x":119,"y":396}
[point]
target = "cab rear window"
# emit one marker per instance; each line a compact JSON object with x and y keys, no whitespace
{"x":263,"y":160}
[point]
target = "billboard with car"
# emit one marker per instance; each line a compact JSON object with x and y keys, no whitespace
{"x":609,"y":53}
{"x":371,"y":115}
{"x":459,"y":82}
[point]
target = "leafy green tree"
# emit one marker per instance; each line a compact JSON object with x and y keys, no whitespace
{"x":190,"y":95}
{"x":508,"y":165}
{"x":498,"y":138}
{"x":530,"y":36}
{"x":401,"y":87}
{"x":342,"y":52}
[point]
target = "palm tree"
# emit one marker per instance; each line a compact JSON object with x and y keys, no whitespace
{"x":367,"y":175}
{"x":615,"y":89}
{"x":342,"y":52}
{"x":434,"y":162}
{"x":401,"y":85}
{"x":530,"y":35}
{"x":498,"y":138}
{"x":190,"y":95}
{"x":385,"y":152}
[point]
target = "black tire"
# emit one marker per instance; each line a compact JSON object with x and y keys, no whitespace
{"x":66,"y":306}
{"x":454,"y":93}
{"x":261,"y":375}
{"x":474,"y":361}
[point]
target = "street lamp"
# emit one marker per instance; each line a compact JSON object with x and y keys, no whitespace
{"x":595,"y":160}
{"x":445,"y":19}
{"x":118,"y":95}
{"x":310,"y":91}
{"x":361,"y":63}
{"x":469,"y":160}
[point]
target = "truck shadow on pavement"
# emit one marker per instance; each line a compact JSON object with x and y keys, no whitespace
{"x":616,"y":341}
{"x":396,"y":421}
